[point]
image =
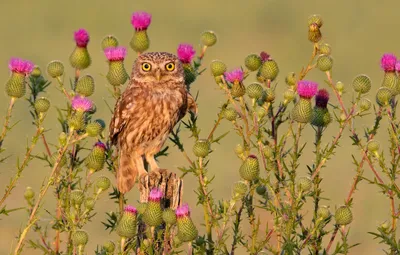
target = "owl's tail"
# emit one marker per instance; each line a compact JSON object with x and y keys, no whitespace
{"x":127,"y":172}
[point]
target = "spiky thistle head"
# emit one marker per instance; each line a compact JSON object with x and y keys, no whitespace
{"x":115,"y":53}
{"x":129,"y":209}
{"x":186,"y":53}
{"x":100,"y":145}
{"x":234,"y":76}
{"x":22,"y":66}
{"x":388,"y":62}
{"x":182,"y":211}
{"x":322,"y":98}
{"x":307,"y":89}
{"x":81,"y":104}
{"x":81,"y":37}
{"x":141,"y":20}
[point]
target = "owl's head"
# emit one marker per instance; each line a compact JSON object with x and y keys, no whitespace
{"x":158,"y":67}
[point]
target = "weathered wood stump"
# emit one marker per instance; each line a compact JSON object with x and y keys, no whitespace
{"x":167,"y":182}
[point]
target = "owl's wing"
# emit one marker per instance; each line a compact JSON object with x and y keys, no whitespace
{"x":117,"y":122}
{"x":191,"y":104}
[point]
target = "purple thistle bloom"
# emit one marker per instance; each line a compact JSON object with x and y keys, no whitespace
{"x":115,"y":53}
{"x":307,"y":89}
{"x":100,"y":145}
{"x":130,"y":209}
{"x":141,"y":20}
{"x":155,"y":195}
{"x":82,"y":104}
{"x":186,"y":53}
{"x":264,"y":56}
{"x":322,"y":98}
{"x":81,"y":37}
{"x":388,"y":62}
{"x":182,"y":211}
{"x":18,"y":65}
{"x":234,"y":76}
{"x":397,"y":67}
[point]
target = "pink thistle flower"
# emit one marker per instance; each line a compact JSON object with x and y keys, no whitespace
{"x":141,"y":20}
{"x":234,"y":76}
{"x":115,"y":53}
{"x":182,"y":211}
{"x":82,"y":104}
{"x":155,"y":195}
{"x":18,"y":65}
{"x":322,"y":98}
{"x":388,"y":62}
{"x":264,"y":56}
{"x":130,"y":209}
{"x":100,"y":145}
{"x":186,"y":53}
{"x":307,"y":89}
{"x":397,"y":66}
{"x":81,"y":37}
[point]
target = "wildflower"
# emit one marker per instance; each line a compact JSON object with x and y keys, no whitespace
{"x":390,"y":78}
{"x":80,"y":58}
{"x":153,"y":213}
{"x":140,"y":41}
{"x":187,"y":231}
{"x":127,"y":225}
{"x":362,"y":84}
{"x":302,"y":112}
{"x":16,"y":85}
{"x":18,"y":65}
{"x":388,"y":62}
{"x":96,"y":159}
{"x":81,"y":38}
{"x":81,"y":104}
{"x":235,"y":76}
{"x":109,"y":41}
{"x":307,"y":89}
{"x":185,"y":53}
{"x":117,"y":74}
{"x":141,"y":20}
{"x":250,"y":169}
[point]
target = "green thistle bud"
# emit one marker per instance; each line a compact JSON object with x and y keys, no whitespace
{"x":85,"y":86}
{"x":117,"y":74}
{"x":239,"y":149}
{"x":290,"y":79}
{"x":187,"y":231}
{"x":42,"y":105}
{"x":250,"y":169}
{"x":103,"y":183}
{"x":109,"y":41}
{"x":365,"y":104}
{"x":323,"y":212}
{"x":77,"y":197}
{"x":90,"y":203}
{"x":217,"y":68}
{"x":16,"y":85}
{"x":304,"y":184}
{"x":189,"y":74}
{"x":315,"y":19}
{"x":153,"y":214}
{"x":238,"y":89}
{"x":80,"y":238}
{"x":96,"y":159}
{"x":36,"y":72}
{"x":253,"y":62}
{"x":268,"y":152}
{"x":254,"y":90}
{"x":324,"y":63}
{"x":324,"y":48}
{"x":269,"y":95}
{"x":373,"y":146}
{"x":339,"y":87}
{"x":229,"y":114}
{"x":62,"y":139}
{"x":54,"y":158}
{"x":201,"y":148}
{"x":169,"y":216}
{"x":109,"y":247}
{"x":391,"y":81}
{"x":362,"y":84}
{"x":321,"y":117}
{"x":261,"y":189}
{"x":208,"y":38}
{"x":95,"y":128}
{"x":29,"y":193}
{"x":383,"y":96}
{"x":218,"y":79}
{"x":343,"y":215}
{"x":240,"y":188}
{"x":55,"y":69}
{"x":269,"y":70}
{"x":140,"y":41}
{"x":80,"y":58}
{"x":302,"y":111}
{"x":142,"y":208}
{"x":76,"y":121}
{"x":288,"y":96}
{"x":127,"y":225}
{"x":314,"y":33}
{"x":177,"y":242}
{"x":261,"y":113}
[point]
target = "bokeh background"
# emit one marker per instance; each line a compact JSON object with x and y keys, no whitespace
{"x":358,"y":31}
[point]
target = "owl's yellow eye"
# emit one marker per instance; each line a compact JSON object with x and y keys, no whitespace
{"x":170,"y":66}
{"x":146,"y":67}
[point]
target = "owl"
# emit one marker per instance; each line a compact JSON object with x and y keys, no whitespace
{"x":155,"y":100}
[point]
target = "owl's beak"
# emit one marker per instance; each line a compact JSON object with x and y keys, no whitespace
{"x":158,"y":74}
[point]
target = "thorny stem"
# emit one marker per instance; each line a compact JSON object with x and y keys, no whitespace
{"x":332,"y":238}
{"x":46,"y":145}
{"x":7,"y":120}
{"x":317,"y":180}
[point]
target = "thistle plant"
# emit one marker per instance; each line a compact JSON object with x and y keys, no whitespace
{"x":270,"y":208}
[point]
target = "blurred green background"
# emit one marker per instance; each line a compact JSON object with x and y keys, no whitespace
{"x":358,"y":31}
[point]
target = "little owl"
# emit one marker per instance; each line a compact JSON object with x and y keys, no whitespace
{"x":155,"y":100}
